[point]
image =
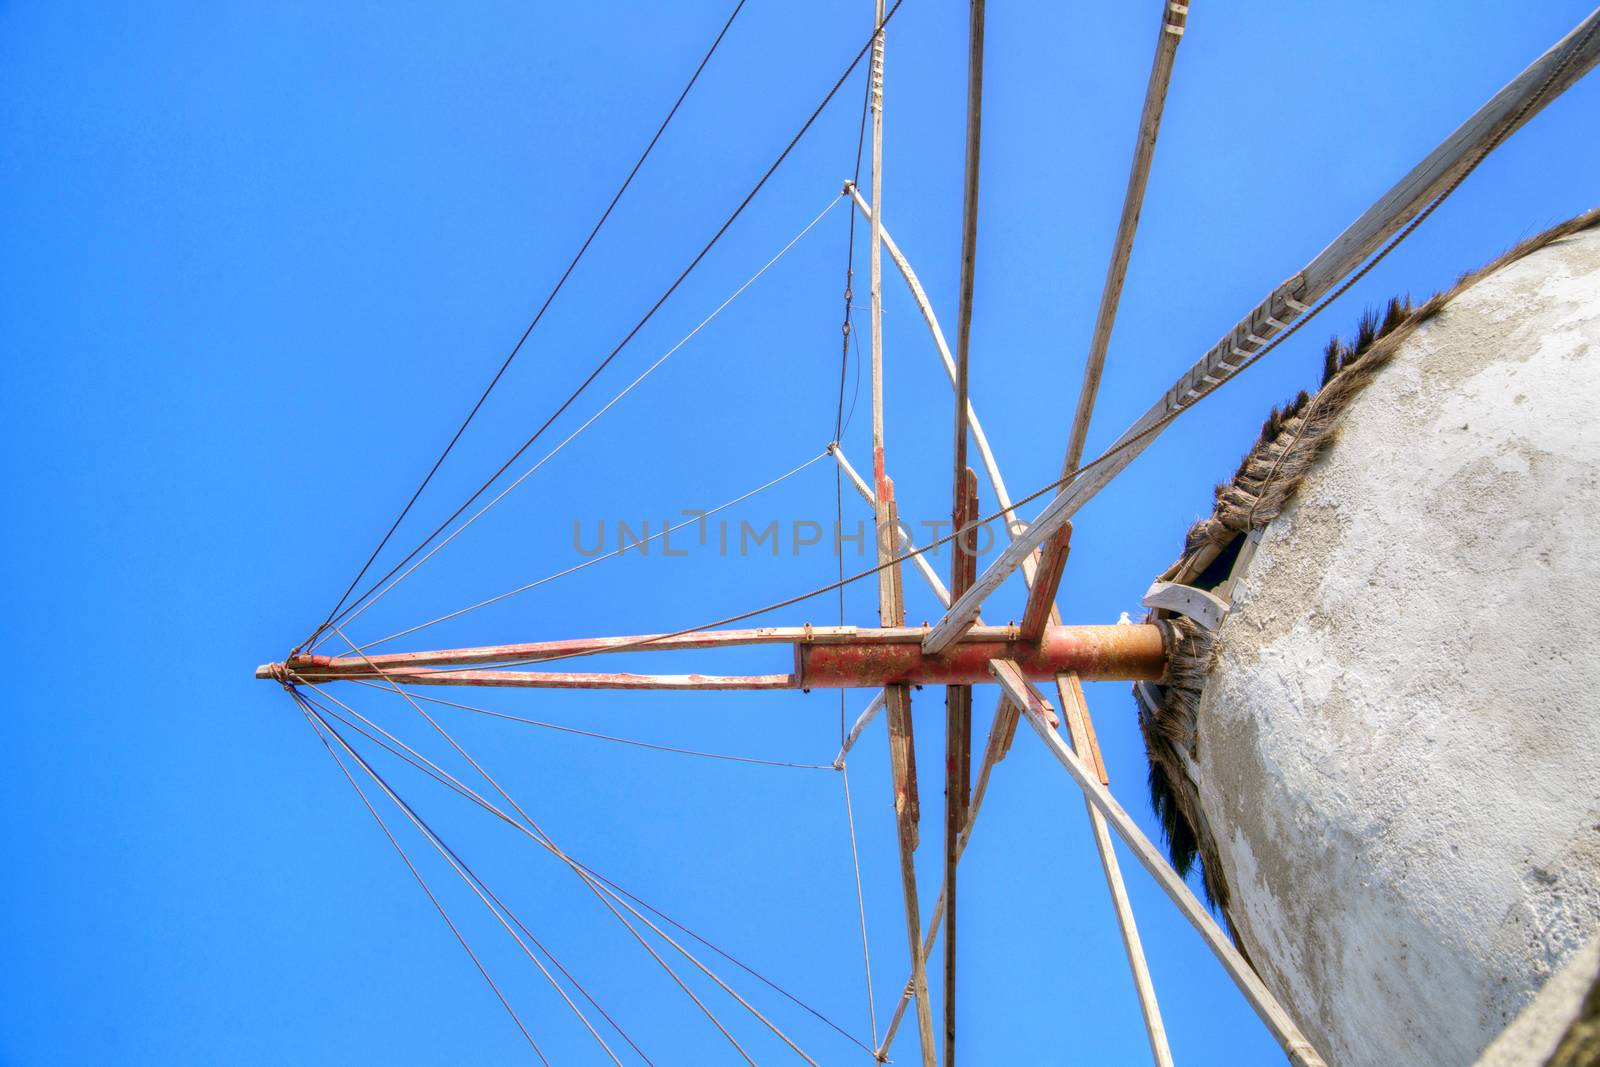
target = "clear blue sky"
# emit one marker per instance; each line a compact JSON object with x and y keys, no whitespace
{"x":256,"y":261}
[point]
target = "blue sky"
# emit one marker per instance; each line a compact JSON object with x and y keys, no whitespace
{"x":259,"y":259}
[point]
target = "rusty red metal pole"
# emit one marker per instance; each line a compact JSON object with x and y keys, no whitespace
{"x":825,"y":658}
{"x":1096,"y":653}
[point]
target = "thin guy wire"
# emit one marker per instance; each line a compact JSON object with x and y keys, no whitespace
{"x":431,"y":769}
{"x":645,"y":642}
{"x":554,"y":848}
{"x":539,"y":314}
{"x":603,"y":737}
{"x":695,"y":262}
{"x":861,"y":906}
{"x":596,"y":888}
{"x":700,"y":517}
{"x":848,"y":331}
{"x":445,"y":778}
{"x":543,"y":841}
{"x":487,"y":896}
{"x":423,"y":883}
{"x":359,"y":609}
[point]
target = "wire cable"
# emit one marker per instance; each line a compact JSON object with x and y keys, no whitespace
{"x":648,"y":315}
{"x":538,"y":837}
{"x":861,"y":904}
{"x":423,"y":883}
{"x":666,"y":531}
{"x":604,"y":215}
{"x":602,"y":737}
{"x":405,"y":752}
{"x":358,"y":609}
{"x":550,"y":844}
{"x":420,"y":762}
{"x":487,"y":896}
{"x":848,"y":331}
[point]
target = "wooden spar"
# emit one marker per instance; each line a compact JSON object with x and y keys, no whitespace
{"x":875,"y":245}
{"x":903,"y":769}
{"x":1506,"y":112}
{"x":969,"y":255}
{"x":1046,"y":580}
{"x":906,"y":543}
{"x":958,"y":757}
{"x":1001,"y":731}
{"x":936,"y":919}
{"x":1272,"y":1013}
{"x":1075,"y":710}
{"x":963,"y":511}
{"x":1069,"y":689}
{"x":897,"y":699}
{"x":979,"y":438}
{"x":855,"y":731}
{"x":891,"y":602}
{"x":1173,"y":19}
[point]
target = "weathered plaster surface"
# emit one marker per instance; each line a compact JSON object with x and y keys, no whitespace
{"x":1400,"y":749}
{"x":1533,"y":1036}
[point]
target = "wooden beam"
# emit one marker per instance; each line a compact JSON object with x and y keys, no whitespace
{"x":875,"y":245}
{"x":919,"y":295}
{"x":1069,"y":688}
{"x":969,"y":262}
{"x":1272,"y":1013}
{"x":559,"y":679}
{"x":935,"y":920}
{"x":1173,"y":19}
{"x":907,"y":545}
{"x":903,"y":764}
{"x":958,"y":755}
{"x":855,"y":731}
{"x":891,"y":603}
{"x":1046,"y":579}
{"x":1075,"y":710}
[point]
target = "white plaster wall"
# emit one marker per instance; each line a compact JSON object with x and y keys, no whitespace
{"x":1399,"y":752}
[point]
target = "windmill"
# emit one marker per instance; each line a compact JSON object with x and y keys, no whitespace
{"x":958,"y":651}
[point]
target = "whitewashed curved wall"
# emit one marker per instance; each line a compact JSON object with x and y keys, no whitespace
{"x":1399,"y":752}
